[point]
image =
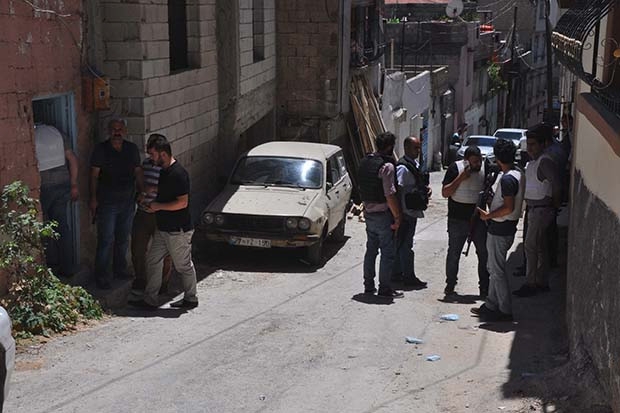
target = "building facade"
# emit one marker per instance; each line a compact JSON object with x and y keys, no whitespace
{"x":586,"y":41}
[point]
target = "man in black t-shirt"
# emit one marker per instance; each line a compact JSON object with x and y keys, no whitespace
{"x":462,"y":184}
{"x":502,"y":217}
{"x":115,"y":173}
{"x":174,"y":228}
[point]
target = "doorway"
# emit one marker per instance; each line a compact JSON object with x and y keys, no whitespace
{"x":59,"y":111}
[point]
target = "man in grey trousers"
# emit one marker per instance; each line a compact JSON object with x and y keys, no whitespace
{"x":503,"y":217}
{"x":174,"y":229}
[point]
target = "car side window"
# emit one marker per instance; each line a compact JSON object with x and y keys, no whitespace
{"x":333,"y":170}
{"x":341,"y":164}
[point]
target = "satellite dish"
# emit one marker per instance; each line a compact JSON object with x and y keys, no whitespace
{"x":454,"y":8}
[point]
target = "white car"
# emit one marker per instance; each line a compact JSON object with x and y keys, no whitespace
{"x":285,"y":195}
{"x":7,"y":354}
{"x":483,"y":142}
{"x":517,"y":136}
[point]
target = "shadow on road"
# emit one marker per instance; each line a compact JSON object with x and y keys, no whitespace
{"x":272,"y":260}
{"x":372,"y":299}
{"x":539,"y":358}
{"x":459,"y":299}
{"x":130,"y":311}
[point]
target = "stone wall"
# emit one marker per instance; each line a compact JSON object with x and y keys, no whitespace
{"x":593,"y":285}
{"x":308,"y":68}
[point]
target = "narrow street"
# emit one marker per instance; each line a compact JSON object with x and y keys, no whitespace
{"x":273,"y":335}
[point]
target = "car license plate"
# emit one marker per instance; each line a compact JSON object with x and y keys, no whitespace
{"x":250,"y":242}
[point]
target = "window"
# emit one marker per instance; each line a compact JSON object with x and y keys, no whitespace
{"x":177,"y":33}
{"x":333,"y":170}
{"x":258,"y":30}
{"x":342,"y":164}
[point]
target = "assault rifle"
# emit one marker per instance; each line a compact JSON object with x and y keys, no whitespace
{"x":484,"y":197}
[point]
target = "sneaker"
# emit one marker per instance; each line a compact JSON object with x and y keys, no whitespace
{"x":183,"y":303}
{"x":416,"y":283}
{"x":496,"y":316}
{"x":391,"y":294}
{"x":449,"y":290}
{"x":526,"y":290}
{"x":483,"y":310}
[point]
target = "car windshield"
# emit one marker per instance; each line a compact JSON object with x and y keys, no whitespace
{"x":515,"y":136}
{"x":479,"y":141}
{"x":278,"y":171}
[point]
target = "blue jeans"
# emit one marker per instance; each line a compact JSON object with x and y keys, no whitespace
{"x":114,"y":222}
{"x":379,"y":237}
{"x":404,"y":262}
{"x":458,"y":231}
{"x":58,"y":252}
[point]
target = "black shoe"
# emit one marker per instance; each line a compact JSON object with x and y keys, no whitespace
{"x":391,"y":294}
{"x":182,"y":303}
{"x":543,"y":288}
{"x":526,"y":290}
{"x":103,"y":284}
{"x":496,"y":316}
{"x":483,"y":310}
{"x":415,"y":283}
{"x":370,"y":291}
{"x":449,"y":290}
{"x":397,"y":277}
{"x":143,"y":305}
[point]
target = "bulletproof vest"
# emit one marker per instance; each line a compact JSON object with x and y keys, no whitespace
{"x":370,"y":185}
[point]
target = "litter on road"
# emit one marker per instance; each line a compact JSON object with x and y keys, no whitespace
{"x":414,"y":340}
{"x":434,"y":357}
{"x":450,"y":317}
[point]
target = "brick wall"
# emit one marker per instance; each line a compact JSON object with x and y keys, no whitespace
{"x":307,"y":56}
{"x":40,"y":58}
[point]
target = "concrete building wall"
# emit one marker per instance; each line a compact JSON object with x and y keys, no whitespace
{"x":594,"y":240}
{"x":308,"y":67}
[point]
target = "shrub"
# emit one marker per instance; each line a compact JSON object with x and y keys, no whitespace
{"x":37,"y":301}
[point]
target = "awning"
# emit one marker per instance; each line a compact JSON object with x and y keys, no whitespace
{"x":572,"y":34}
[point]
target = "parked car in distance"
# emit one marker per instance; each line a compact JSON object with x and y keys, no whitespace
{"x":7,"y":354}
{"x":517,"y":136}
{"x":282,"y":195}
{"x":484,"y":142}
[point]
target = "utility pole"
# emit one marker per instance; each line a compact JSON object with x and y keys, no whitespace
{"x":507,"y":111}
{"x":549,"y":110}
{"x":402,"y":49}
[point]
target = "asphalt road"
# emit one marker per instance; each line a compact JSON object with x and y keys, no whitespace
{"x":274,"y":335}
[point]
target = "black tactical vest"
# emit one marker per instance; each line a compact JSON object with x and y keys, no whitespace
{"x":370,"y":185}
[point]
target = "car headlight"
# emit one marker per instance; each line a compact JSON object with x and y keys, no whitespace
{"x":291,"y":223}
{"x":304,"y":224}
{"x":208,"y":218}
{"x":219,"y":220}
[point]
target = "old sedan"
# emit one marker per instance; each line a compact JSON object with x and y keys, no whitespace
{"x":285,"y":195}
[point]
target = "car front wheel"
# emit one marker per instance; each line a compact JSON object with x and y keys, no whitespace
{"x":314,"y":253}
{"x":338,"y":233}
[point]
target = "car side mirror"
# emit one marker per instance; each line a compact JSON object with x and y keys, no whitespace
{"x":329,"y":186}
